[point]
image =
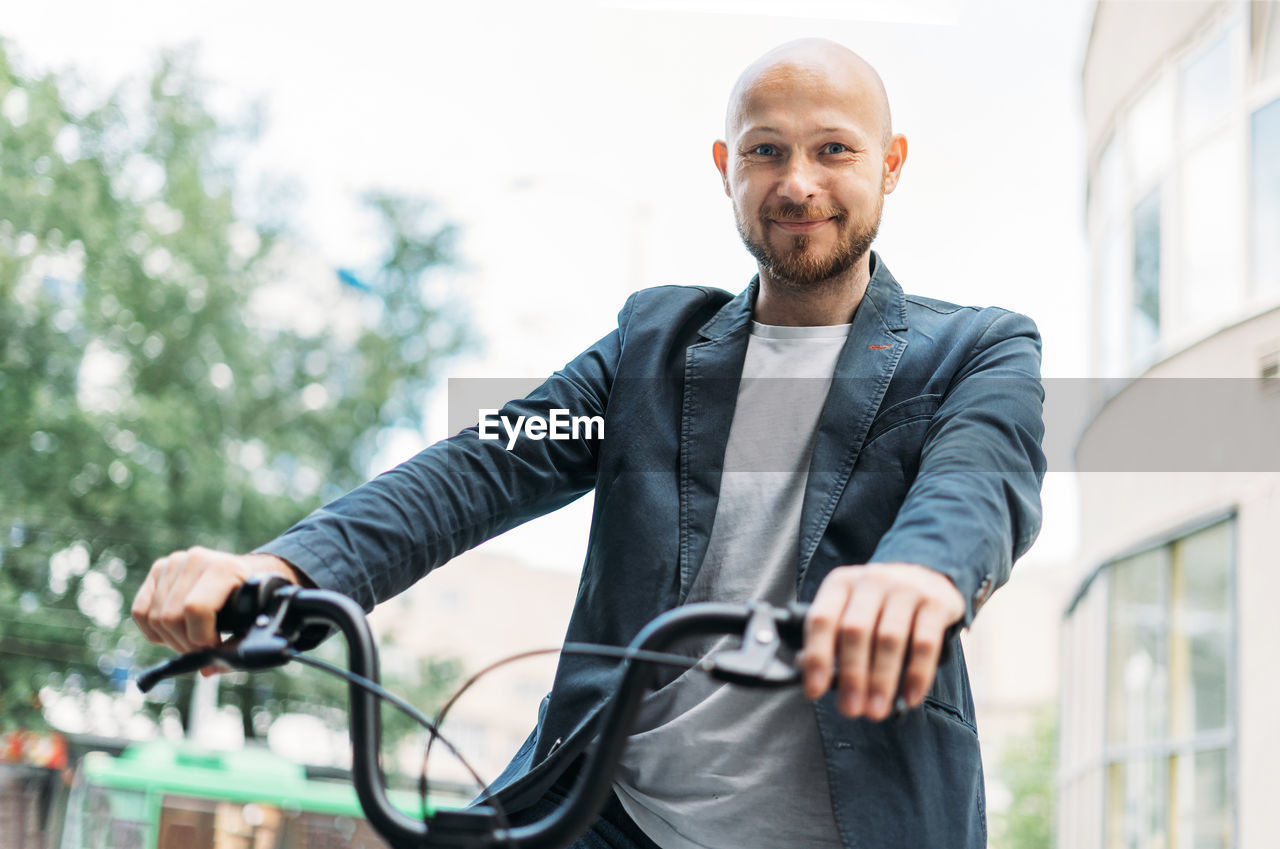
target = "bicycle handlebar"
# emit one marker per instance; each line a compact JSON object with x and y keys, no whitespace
{"x":272,"y":618}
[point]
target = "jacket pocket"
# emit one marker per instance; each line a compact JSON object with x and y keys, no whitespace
{"x":946,"y":711}
{"x":918,"y":409}
{"x":914,"y":781}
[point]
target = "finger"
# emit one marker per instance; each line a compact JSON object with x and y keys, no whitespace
{"x":821,"y":625}
{"x":142,"y":602}
{"x":200,"y":609}
{"x":857,"y":630}
{"x":214,"y":669}
{"x":193,"y":601}
{"x":926,"y":647}
{"x":166,"y":571}
{"x":889,"y":649}
{"x":183,"y":610}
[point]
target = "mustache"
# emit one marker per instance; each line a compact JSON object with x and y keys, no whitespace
{"x":787,"y":211}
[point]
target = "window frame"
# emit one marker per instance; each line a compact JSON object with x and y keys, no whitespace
{"x":1226,"y":739}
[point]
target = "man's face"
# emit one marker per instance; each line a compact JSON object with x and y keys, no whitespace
{"x":805,"y":167}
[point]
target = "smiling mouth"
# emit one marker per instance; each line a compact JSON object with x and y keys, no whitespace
{"x":799,"y":225}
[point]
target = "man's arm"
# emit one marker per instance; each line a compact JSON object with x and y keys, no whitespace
{"x":973,"y":508}
{"x":380,"y":538}
{"x":383,"y":536}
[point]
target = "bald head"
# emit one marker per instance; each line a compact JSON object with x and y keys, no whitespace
{"x":810,"y":62}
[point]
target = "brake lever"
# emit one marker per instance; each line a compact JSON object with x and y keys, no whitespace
{"x":247,"y":602}
{"x":174,"y":666}
{"x":757,"y":660}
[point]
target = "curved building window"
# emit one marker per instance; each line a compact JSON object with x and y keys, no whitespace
{"x":1187,"y":251}
{"x":1265,"y":196}
{"x":1168,"y":725}
{"x":1213,"y":206}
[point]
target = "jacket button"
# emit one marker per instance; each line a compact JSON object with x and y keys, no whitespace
{"x":983,"y":592}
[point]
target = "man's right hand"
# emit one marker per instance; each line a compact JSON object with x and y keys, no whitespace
{"x":179,"y":601}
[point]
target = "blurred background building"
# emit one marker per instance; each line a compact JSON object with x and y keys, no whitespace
{"x":1167,"y":737}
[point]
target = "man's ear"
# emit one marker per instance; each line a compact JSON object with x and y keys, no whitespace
{"x":720,"y":153}
{"x":895,"y":156}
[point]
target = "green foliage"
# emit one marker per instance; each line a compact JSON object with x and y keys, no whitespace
{"x":147,"y":400}
{"x":1027,"y":772}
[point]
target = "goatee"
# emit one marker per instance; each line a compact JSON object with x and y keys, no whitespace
{"x":798,"y":267}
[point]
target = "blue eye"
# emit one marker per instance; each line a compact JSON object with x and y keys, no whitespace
{"x":764,"y":150}
{"x":835,"y":147}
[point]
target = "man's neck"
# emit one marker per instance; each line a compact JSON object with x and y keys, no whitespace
{"x":831,"y":301}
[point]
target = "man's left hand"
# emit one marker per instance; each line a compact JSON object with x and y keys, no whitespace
{"x":868,"y":618}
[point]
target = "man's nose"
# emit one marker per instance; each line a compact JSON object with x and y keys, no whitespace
{"x":800,"y":181}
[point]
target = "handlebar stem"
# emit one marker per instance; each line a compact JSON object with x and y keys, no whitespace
{"x":366,"y":722}
{"x":594,"y":783}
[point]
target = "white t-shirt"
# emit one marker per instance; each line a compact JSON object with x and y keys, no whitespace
{"x":710,"y":765}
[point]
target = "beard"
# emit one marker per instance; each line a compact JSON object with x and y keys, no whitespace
{"x":799,"y":267}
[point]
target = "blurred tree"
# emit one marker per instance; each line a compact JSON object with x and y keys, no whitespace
{"x":1027,"y":771}
{"x":162,"y":381}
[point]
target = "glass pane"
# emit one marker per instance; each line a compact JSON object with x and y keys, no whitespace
{"x":1265,"y":211}
{"x":1109,"y":184}
{"x":1270,"y":42}
{"x":1213,"y":207}
{"x":1137,"y":673}
{"x":1200,"y":638}
{"x":1204,"y":819}
{"x":312,"y":830}
{"x":1115,"y":806}
{"x":188,"y":822}
{"x":1146,"y":274}
{"x":1109,"y":220}
{"x":1151,"y":132}
{"x":114,"y":819}
{"x":1207,"y":85}
{"x":1137,"y":804}
{"x":1113,"y":281}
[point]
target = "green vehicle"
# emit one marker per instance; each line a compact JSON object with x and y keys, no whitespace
{"x":162,"y":795}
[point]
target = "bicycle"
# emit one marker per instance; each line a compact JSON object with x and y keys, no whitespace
{"x":272,"y":622}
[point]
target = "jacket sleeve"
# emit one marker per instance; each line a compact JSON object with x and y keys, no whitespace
{"x":974,"y":506}
{"x":381,"y":537}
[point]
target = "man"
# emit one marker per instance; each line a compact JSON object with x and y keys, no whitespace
{"x":821,"y":436}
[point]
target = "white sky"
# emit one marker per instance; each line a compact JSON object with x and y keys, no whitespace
{"x":571,"y":143}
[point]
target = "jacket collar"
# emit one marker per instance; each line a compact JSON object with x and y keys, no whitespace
{"x":883,"y":293}
{"x":713,"y":369}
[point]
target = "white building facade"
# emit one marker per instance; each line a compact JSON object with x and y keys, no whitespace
{"x":1170,"y":645}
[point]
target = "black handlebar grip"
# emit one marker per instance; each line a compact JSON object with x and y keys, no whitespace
{"x":247,"y":601}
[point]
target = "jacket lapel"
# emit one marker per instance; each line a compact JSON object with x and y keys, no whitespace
{"x":863,"y":371}
{"x":712,"y":371}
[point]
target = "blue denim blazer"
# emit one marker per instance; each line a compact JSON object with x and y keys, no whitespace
{"x":927,"y":451}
